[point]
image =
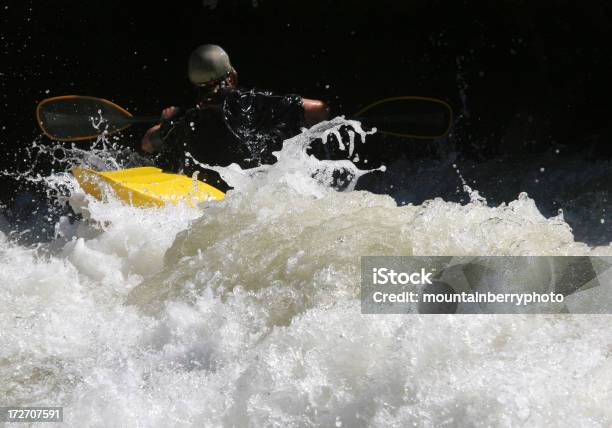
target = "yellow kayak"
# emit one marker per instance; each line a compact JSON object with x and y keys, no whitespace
{"x":146,"y":186}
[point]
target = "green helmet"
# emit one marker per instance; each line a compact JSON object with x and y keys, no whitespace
{"x":208,"y":63}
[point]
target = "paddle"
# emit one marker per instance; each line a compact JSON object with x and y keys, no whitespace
{"x":409,"y":117}
{"x":74,"y":117}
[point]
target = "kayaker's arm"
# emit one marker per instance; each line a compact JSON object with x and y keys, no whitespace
{"x":315,"y":111}
{"x":152,"y":142}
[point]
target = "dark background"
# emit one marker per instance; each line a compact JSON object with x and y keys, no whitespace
{"x":521,"y":76}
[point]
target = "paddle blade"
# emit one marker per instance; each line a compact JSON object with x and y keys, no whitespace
{"x":74,"y":118}
{"x":411,"y":117}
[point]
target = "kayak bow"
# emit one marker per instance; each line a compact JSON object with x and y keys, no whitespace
{"x":146,"y":186}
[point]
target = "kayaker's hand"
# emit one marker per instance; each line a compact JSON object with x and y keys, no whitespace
{"x":146,"y":144}
{"x":169,"y":112}
{"x":151,"y":137}
{"x":315,"y":111}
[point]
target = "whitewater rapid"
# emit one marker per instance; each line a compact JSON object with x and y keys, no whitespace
{"x":246,"y":312}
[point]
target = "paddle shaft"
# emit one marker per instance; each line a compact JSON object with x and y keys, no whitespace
{"x":391,"y":118}
{"x":143,"y":119}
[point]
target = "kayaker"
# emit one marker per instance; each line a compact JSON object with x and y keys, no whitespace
{"x":228,"y":124}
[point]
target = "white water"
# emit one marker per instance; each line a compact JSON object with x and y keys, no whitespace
{"x":246,"y":313}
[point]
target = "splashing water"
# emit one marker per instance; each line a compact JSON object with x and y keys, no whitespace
{"x":44,"y":196}
{"x":245,"y":312}
{"x":296,"y":168}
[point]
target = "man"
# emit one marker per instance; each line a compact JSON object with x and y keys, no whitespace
{"x":228,"y":125}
